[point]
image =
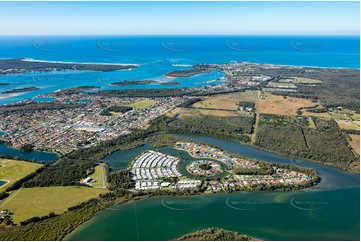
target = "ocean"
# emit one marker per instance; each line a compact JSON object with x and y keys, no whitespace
{"x":157,"y":55}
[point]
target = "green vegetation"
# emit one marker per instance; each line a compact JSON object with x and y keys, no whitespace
{"x":116,"y":109}
{"x":56,"y":228}
{"x":235,"y":128}
{"x":143,"y":104}
{"x":39,"y":201}
{"x":19,"y":90}
{"x":132,"y":83}
{"x":187,"y":73}
{"x":19,"y":65}
{"x":26,"y":148}
{"x":98,"y":176}
{"x":14,"y":170}
{"x":189,"y":102}
{"x":295,"y":137}
{"x":214,"y":234}
{"x":33,"y":106}
{"x":79,"y":164}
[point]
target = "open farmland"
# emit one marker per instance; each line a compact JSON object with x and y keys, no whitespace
{"x":282,"y":105}
{"x":39,"y":201}
{"x":13,"y":170}
{"x":143,"y":104}
{"x":188,"y":112}
{"x":227,"y":101}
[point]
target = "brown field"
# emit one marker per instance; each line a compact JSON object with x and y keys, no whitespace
{"x":187,"y":112}
{"x":306,"y":80}
{"x":348,"y":125}
{"x":227,"y":101}
{"x":320,"y":115}
{"x":355,"y":142}
{"x":280,"y":105}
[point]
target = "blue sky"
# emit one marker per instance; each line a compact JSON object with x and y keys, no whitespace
{"x":147,"y":18}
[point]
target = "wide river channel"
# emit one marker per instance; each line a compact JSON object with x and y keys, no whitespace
{"x":328,"y":211}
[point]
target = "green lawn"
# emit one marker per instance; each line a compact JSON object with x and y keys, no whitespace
{"x":13,"y":170}
{"x":143,"y":104}
{"x":39,"y":201}
{"x":98,"y":176}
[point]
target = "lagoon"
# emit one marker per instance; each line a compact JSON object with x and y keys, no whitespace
{"x":41,"y":157}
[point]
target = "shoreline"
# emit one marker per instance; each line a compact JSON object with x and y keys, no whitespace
{"x":79,"y":63}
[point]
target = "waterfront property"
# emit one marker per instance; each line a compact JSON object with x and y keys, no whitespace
{"x":204,"y":168}
{"x":155,"y":170}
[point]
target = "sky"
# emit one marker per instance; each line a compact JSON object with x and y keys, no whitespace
{"x":179,"y":18}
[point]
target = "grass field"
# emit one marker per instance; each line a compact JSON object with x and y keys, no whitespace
{"x":39,"y":201}
{"x":273,"y":104}
{"x":13,"y":170}
{"x":346,"y":118}
{"x":227,"y":101}
{"x":143,"y":104}
{"x":306,"y":80}
{"x":187,"y":112}
{"x":355,"y":142}
{"x":98,"y":176}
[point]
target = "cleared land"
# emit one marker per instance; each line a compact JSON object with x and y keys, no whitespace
{"x":98,"y":176}
{"x":188,"y":112}
{"x":355,"y":142}
{"x":13,"y":170}
{"x":346,"y":118}
{"x":281,"y":105}
{"x":39,"y":201}
{"x":143,"y":104}
{"x":306,"y":80}
{"x":227,"y":101}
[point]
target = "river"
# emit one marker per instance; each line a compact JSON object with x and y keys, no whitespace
{"x":328,"y":211}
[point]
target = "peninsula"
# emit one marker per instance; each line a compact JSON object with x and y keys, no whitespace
{"x":23,"y":65}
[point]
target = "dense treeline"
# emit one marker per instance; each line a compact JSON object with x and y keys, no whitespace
{"x":33,"y":106}
{"x":118,"y":109}
{"x":37,"y":219}
{"x":19,"y":65}
{"x":189,"y":102}
{"x":215,"y":234}
{"x":149,"y":93}
{"x":293,"y":137}
{"x":234,"y":128}
{"x":351,"y":131}
{"x":246,"y":104}
{"x":121,"y":179}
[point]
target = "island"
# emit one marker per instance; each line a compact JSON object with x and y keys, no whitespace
{"x":215,"y":234}
{"x":132,"y":83}
{"x":23,"y":65}
{"x":169,"y":83}
{"x":187,"y":73}
{"x":20,"y":90}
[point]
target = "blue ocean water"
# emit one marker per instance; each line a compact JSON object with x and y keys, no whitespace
{"x":157,"y":55}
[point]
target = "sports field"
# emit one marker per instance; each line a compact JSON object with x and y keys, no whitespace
{"x":13,"y":170}
{"x":39,"y":201}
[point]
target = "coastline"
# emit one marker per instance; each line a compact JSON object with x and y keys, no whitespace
{"x":80,"y":63}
